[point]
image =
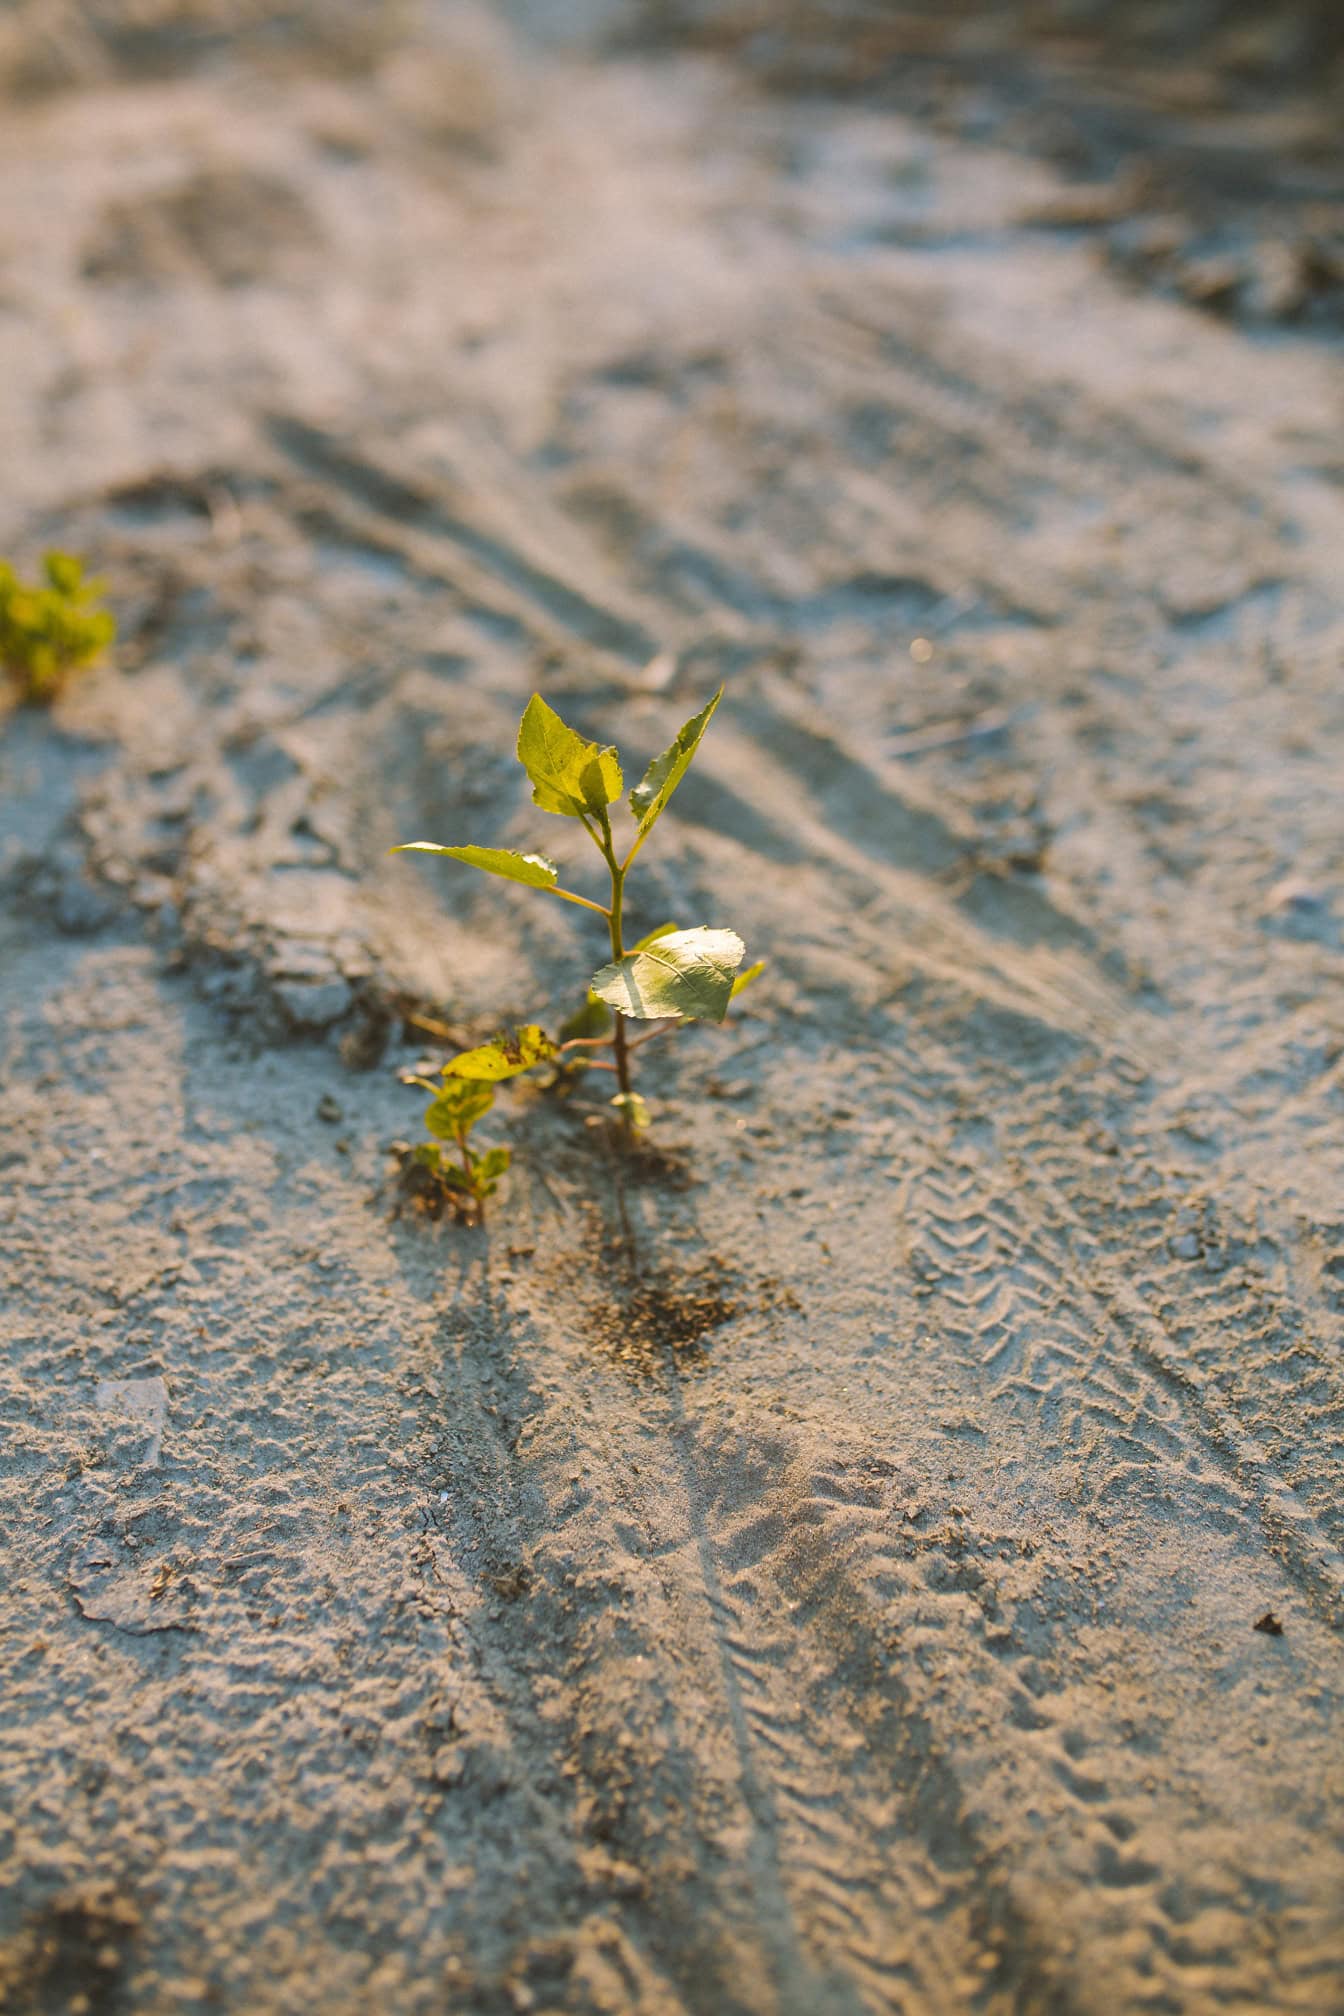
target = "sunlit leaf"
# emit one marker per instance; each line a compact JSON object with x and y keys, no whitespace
{"x":687,"y":974}
{"x":459,"y":1105}
{"x":570,"y":775}
{"x":517,"y":1050}
{"x":534,"y":869}
{"x":745,"y":978}
{"x":651,"y":937}
{"x":665,"y":772}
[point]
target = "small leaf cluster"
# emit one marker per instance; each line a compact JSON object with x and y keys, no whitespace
{"x":466,"y":1096}
{"x":51,"y":628}
{"x":667,"y":977}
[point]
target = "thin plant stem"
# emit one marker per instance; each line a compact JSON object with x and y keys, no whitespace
{"x":622,"y":1056}
{"x":618,"y":953}
{"x":568,"y":896}
{"x":638,"y":1042}
{"x":640,"y":838}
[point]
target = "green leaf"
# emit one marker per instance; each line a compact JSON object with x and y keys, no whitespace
{"x":592,"y":1019}
{"x":651,"y":937}
{"x":687,"y":974}
{"x":457,"y":1107}
{"x":504,"y":1058}
{"x":534,"y":869}
{"x":745,"y":979}
{"x":64,"y":573}
{"x":569,"y":775}
{"x":488,"y":1168}
{"x":665,"y":772}
{"x":633,"y":1109}
{"x":52,"y":628}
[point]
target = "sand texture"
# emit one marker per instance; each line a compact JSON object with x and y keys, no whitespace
{"x":881,"y":1548}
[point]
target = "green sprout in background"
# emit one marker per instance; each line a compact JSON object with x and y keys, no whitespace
{"x":49,"y":630}
{"x":668,"y":977}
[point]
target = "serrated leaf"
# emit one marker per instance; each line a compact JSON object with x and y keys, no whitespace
{"x":459,"y":1105}
{"x":509,"y":1054}
{"x":602,"y":780}
{"x":663,"y":775}
{"x":570,"y":775}
{"x":687,"y":974}
{"x":533,"y":869}
{"x":745,"y":979}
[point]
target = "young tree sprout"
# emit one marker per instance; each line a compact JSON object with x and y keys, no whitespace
{"x":49,"y":629}
{"x":665,"y":978}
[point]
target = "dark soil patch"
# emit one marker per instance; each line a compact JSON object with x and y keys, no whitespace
{"x":639,"y":1327}
{"x":70,"y":1955}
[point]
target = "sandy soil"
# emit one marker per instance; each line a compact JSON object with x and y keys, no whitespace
{"x":815,"y":1567}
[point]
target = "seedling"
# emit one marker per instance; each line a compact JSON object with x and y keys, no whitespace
{"x":665,"y":978}
{"x":466,"y":1095}
{"x":48,"y":631}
